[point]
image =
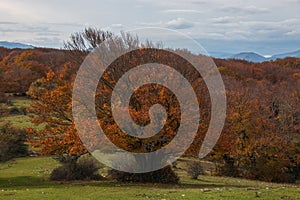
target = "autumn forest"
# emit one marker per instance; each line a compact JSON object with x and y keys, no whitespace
{"x":260,"y":139}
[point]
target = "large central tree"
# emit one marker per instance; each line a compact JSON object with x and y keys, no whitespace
{"x":54,"y":98}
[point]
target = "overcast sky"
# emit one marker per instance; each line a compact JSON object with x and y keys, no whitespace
{"x":263,"y":26}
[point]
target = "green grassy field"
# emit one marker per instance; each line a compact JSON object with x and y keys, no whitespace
{"x":20,"y":102}
{"x":27,"y":178}
{"x":19,"y":120}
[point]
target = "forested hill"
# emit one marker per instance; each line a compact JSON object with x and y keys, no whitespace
{"x":20,"y":67}
{"x":262,"y":129}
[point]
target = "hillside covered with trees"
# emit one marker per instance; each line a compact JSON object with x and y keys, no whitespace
{"x":260,"y":139}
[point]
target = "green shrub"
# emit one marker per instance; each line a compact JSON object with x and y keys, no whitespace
{"x":3,"y":97}
{"x":15,"y":111}
{"x":2,"y":111}
{"x":228,"y":168}
{"x":264,"y":167}
{"x":9,"y":103}
{"x":272,"y":170}
{"x":164,"y":175}
{"x":12,"y":142}
{"x":194,"y":169}
{"x":76,"y":168}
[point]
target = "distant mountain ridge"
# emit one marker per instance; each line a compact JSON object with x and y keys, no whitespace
{"x":15,"y":45}
{"x":295,"y":54}
{"x":254,"y":57}
{"x":248,"y":56}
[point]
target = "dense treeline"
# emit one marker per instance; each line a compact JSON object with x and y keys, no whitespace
{"x":260,"y":140}
{"x":20,"y":67}
{"x":261,"y":136}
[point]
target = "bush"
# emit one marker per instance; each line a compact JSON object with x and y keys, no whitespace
{"x":229,"y":168}
{"x":272,"y":170}
{"x":17,"y":111}
{"x":12,"y":142}
{"x":164,"y":175}
{"x":76,"y":168}
{"x":3,"y":97}
{"x":194,"y":169}
{"x":9,"y":103}
{"x":2,"y":111}
{"x":14,"y":111}
{"x":263,"y":168}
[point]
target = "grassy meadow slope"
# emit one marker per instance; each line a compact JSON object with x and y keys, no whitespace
{"x":27,"y":178}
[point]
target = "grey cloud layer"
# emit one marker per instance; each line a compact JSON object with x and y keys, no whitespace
{"x":53,"y":21}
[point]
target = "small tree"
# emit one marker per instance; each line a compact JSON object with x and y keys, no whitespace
{"x":194,"y":169}
{"x":12,"y":142}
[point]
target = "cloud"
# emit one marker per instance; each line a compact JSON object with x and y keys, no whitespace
{"x":199,"y":2}
{"x":179,"y":23}
{"x":223,"y":20}
{"x":227,"y":20}
{"x":292,"y":33}
{"x":66,"y":24}
{"x":26,"y":28}
{"x":181,"y":11}
{"x":245,"y":10}
{"x":37,"y":34}
{"x":149,"y":24}
{"x":43,"y":41}
{"x":7,"y":23}
{"x":253,"y":30}
{"x":117,"y":26}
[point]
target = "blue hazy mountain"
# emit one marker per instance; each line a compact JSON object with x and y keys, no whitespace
{"x":223,"y":55}
{"x":14,"y":45}
{"x":253,"y":57}
{"x":295,"y":54}
{"x":249,"y":56}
